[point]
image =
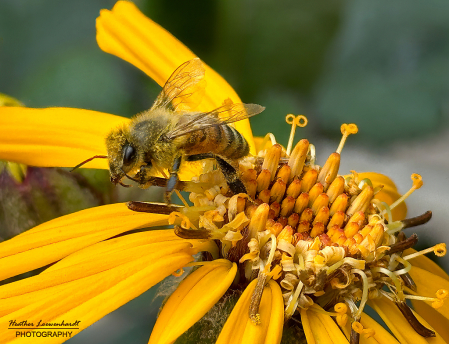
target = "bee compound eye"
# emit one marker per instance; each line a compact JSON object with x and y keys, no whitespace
{"x":129,"y":154}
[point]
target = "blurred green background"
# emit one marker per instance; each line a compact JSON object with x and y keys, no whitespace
{"x":383,"y":65}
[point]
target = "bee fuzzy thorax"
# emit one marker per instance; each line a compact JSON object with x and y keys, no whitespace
{"x":323,"y":237}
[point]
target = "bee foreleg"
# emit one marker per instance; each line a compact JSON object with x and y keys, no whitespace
{"x":231,"y":176}
{"x":173,"y":179}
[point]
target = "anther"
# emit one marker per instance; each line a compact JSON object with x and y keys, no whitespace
{"x":306,"y":215}
{"x":336,"y":188}
{"x":303,"y":226}
{"x":263,"y":180}
{"x":271,"y":160}
{"x":346,"y":130}
{"x":329,"y":170}
{"x":259,"y":220}
{"x":298,"y":158}
{"x":264,"y":196}
{"x":308,"y":180}
{"x":351,"y":229}
{"x":322,"y":216}
{"x":293,"y":220}
{"x":294,"y":189}
{"x":340,"y":204}
{"x":358,"y":217}
{"x":286,"y":234}
{"x":316,"y":190}
{"x":277,"y":191}
{"x":251,"y":188}
{"x":317,"y":229}
{"x":287,"y":206}
{"x":276,"y":207}
{"x":284,"y":173}
{"x":276,"y":228}
{"x":295,"y":121}
{"x":362,"y":201}
{"x":337,"y":219}
{"x":301,"y":202}
{"x":320,"y":202}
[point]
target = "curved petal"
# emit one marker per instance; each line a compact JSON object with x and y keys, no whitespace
{"x":94,"y":293}
{"x":428,"y":284}
{"x":388,"y":194}
{"x":320,"y":328}
{"x":58,"y":137}
{"x":192,"y":300}
{"x":397,"y":323}
{"x":125,"y":32}
{"x":56,"y":239}
{"x":240,"y":329}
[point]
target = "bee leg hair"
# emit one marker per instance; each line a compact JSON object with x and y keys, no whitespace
{"x":229,"y":172}
{"x":173,"y":179}
{"x":231,"y":176}
{"x":203,"y":156}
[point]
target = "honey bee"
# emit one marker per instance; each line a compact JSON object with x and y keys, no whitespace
{"x":171,"y":132}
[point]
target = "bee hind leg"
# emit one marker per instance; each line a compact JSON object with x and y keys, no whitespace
{"x":229,"y":172}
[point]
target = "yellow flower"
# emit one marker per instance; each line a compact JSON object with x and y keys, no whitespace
{"x":312,"y":247}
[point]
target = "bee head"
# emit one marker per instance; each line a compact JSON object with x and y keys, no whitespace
{"x":122,"y":155}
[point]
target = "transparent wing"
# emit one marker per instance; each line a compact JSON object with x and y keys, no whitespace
{"x":184,"y":89}
{"x":225,"y":114}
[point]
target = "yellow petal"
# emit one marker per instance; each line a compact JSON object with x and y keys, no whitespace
{"x":240,"y":329}
{"x":60,"y":237}
{"x":428,"y":284}
{"x":431,"y":316}
{"x":58,"y":137}
{"x":192,"y":300}
{"x":320,"y":328}
{"x":102,"y":266}
{"x":425,"y":263}
{"x":389,"y":194}
{"x":125,"y":32}
{"x":88,"y":299}
{"x":397,"y":323}
{"x":381,"y":335}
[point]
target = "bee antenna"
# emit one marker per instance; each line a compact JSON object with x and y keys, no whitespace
{"x":90,"y":159}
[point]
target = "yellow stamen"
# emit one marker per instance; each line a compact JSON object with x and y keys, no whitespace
{"x":271,"y":160}
{"x":417,"y":183}
{"x":346,"y":130}
{"x":295,"y":121}
{"x":336,"y":188}
{"x":329,"y":170}
{"x":439,"y":250}
{"x":437,"y":301}
{"x":185,"y":223}
{"x":340,"y":204}
{"x":367,"y":332}
{"x":298,"y":158}
{"x":309,"y":180}
{"x":342,"y":317}
{"x":301,"y":202}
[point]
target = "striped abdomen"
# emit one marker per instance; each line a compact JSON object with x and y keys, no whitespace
{"x":221,"y":140}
